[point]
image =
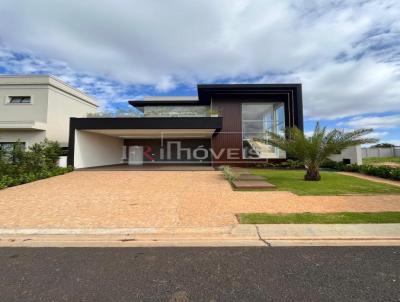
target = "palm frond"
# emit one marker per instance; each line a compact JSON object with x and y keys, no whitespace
{"x":320,"y":145}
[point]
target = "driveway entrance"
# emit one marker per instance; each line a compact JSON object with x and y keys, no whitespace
{"x":110,"y":199}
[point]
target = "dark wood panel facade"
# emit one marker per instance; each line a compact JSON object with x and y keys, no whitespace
{"x":230,"y":107}
{"x":230,"y":136}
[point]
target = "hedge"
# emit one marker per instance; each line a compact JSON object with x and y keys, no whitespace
{"x":8,"y":181}
{"x":19,"y":166}
{"x":379,"y":171}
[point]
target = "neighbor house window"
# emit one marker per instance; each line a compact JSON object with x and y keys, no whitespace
{"x":7,"y":149}
{"x":9,"y":146}
{"x":257,"y":120}
{"x":20,"y":100}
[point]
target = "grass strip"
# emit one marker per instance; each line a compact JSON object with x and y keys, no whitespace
{"x":320,"y":218}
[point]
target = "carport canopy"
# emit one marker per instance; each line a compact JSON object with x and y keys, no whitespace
{"x":88,"y":145}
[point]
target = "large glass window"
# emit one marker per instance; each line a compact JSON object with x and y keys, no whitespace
{"x":257,"y":120}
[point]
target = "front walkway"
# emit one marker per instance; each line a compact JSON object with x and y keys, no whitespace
{"x":121,"y":199}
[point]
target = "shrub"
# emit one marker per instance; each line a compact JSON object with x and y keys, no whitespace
{"x":379,"y":171}
{"x":8,"y":181}
{"x":351,"y":168}
{"x":289,"y":164}
{"x":294,"y":164}
{"x":330,"y":164}
{"x":229,"y":174}
{"x":20,"y":166}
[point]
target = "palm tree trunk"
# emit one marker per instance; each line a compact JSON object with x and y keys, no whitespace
{"x":312,"y":174}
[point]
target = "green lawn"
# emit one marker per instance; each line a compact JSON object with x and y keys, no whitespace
{"x":317,"y":218}
{"x":378,"y":160}
{"x":331,"y":183}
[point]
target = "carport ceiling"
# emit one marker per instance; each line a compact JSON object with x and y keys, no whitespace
{"x":155,"y":133}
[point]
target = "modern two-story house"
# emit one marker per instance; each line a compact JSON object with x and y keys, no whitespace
{"x":36,"y":107}
{"x":223,"y":124}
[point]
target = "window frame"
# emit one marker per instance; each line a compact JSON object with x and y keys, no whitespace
{"x":9,"y":152}
{"x":10,"y":97}
{"x":281,"y":104}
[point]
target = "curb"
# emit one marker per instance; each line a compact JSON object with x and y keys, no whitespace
{"x":115,"y":231}
{"x":236,"y":235}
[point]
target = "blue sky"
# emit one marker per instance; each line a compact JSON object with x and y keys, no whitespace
{"x":345,"y":53}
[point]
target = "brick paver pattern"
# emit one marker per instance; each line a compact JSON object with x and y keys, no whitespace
{"x":106,"y":199}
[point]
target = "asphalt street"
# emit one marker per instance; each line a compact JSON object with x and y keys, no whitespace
{"x":200,"y":274}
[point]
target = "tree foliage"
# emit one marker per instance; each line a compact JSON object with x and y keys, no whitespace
{"x":20,"y":165}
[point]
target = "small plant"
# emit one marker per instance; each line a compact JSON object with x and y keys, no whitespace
{"x":288,"y":164}
{"x":229,"y":174}
{"x":119,"y":112}
{"x":213,"y":112}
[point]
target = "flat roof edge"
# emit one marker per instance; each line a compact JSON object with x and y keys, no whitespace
{"x":258,"y":85}
{"x":146,"y":123}
{"x":50,"y":80}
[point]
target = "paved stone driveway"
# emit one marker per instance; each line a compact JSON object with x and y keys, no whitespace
{"x":91,"y":199}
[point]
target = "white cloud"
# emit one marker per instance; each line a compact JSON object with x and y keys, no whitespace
{"x":350,"y":88}
{"x":345,"y":52}
{"x":106,"y":92}
{"x":376,"y":122}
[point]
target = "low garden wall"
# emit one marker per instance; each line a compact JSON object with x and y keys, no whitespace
{"x":381,"y":152}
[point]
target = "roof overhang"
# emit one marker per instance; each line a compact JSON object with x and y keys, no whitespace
{"x":248,"y":91}
{"x":147,"y":123}
{"x":206,"y":92}
{"x":149,"y":127}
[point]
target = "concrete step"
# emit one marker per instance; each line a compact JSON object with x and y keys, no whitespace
{"x":253,"y":184}
{"x":250,"y":177}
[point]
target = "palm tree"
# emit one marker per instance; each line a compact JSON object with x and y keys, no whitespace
{"x":317,"y":148}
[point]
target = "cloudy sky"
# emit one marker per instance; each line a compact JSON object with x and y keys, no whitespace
{"x":345,"y":53}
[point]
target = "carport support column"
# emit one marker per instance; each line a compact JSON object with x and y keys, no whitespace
{"x":71,"y":142}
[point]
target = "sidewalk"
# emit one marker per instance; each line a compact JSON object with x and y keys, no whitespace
{"x":237,"y":235}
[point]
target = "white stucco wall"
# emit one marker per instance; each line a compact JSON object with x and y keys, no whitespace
{"x":36,"y":111}
{"x":92,"y":150}
{"x":29,"y":137}
{"x":53,"y":102}
{"x":62,"y":106}
{"x":352,"y":153}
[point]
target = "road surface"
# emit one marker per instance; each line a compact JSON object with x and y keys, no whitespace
{"x":200,"y":274}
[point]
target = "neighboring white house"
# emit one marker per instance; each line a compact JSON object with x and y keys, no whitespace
{"x":36,"y":107}
{"x":351,"y":155}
